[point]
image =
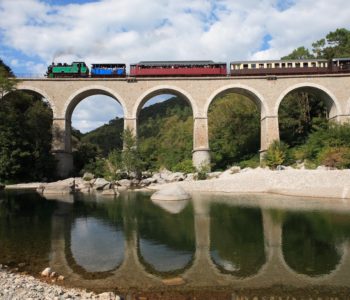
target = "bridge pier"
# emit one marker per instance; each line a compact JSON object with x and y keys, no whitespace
{"x":269,"y":132}
{"x":61,"y":147}
{"x":201,"y":151}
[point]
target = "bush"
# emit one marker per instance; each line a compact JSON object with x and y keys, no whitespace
{"x":335,"y":157}
{"x":276,"y":154}
{"x":185,"y":166}
{"x":253,"y":162}
{"x":202,"y":172}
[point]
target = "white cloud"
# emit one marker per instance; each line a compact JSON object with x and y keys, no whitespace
{"x":95,"y":111}
{"x":34,"y":32}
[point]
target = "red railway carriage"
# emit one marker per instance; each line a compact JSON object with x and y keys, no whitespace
{"x":178,"y":68}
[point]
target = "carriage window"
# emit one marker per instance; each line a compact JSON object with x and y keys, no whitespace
{"x":261,"y":66}
{"x":269,"y":66}
{"x":297,"y":65}
{"x":283,"y":65}
{"x":290,"y":65}
{"x":253,"y":66}
{"x":277,"y":65}
{"x":245,"y":66}
{"x":305,"y":64}
{"x":313,"y":64}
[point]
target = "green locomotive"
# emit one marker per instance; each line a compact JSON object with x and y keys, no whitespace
{"x":76,"y":69}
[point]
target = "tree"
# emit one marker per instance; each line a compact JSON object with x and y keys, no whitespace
{"x":299,"y":53}
{"x":25,"y":133}
{"x":131,"y":160}
{"x":336,"y":44}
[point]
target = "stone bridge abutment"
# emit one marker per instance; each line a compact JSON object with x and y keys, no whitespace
{"x":64,"y":94}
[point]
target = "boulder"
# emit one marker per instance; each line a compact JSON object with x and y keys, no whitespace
{"x":62,"y":187}
{"x":124,"y":182}
{"x":121,"y":188}
{"x":171,"y":193}
{"x":100,"y":183}
{"x":46,"y":272}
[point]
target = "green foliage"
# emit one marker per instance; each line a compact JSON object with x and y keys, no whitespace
{"x":185,"y":166}
{"x":85,"y":153}
{"x":165,"y":134}
{"x":299,"y":113}
{"x":234,"y":130}
{"x":202,"y":172}
{"x":328,"y":144}
{"x":335,"y":157}
{"x":299,"y":53}
{"x":336,"y":44}
{"x":276,"y":154}
{"x":253,"y":162}
{"x":108,"y":137}
{"x":131,"y":160}
{"x":25,"y":138}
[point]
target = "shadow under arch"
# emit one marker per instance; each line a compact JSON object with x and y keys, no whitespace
{"x":244,"y":90}
{"x":160,"y":90}
{"x":28,"y":88}
{"x":326,"y":95}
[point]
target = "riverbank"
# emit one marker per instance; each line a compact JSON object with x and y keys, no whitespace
{"x":319,"y":183}
{"x":18,"y":287}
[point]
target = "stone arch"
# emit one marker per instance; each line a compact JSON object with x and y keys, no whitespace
{"x":161,"y":89}
{"x":330,"y":99}
{"x":40,"y":92}
{"x":244,"y":90}
{"x":91,"y":90}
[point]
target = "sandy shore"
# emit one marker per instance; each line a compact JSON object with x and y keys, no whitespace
{"x":293,"y":182}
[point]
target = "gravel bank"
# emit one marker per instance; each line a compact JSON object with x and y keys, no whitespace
{"x":293,"y":182}
{"x":19,"y":287}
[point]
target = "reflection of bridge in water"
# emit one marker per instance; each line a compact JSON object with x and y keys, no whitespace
{"x":202,"y":272}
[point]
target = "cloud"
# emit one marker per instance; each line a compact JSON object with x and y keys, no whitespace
{"x":133,"y":30}
{"x":95,"y":111}
{"x":33,"y":33}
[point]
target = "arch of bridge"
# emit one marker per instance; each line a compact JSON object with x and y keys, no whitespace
{"x":164,"y":89}
{"x":301,"y":85}
{"x":244,"y":90}
{"x":24,"y":87}
{"x":88,"y":91}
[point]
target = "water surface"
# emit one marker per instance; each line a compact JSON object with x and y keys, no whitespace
{"x":224,"y":245}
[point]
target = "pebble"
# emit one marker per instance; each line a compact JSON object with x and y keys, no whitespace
{"x":19,"y":287}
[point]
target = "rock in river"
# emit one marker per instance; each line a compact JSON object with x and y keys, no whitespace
{"x":171,"y":193}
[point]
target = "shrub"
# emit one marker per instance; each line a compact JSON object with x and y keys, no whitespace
{"x":202,"y":171}
{"x":253,"y":162}
{"x":185,"y":166}
{"x":335,"y":157}
{"x":276,"y":154}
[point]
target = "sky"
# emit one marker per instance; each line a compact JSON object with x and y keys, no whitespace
{"x":33,"y":33}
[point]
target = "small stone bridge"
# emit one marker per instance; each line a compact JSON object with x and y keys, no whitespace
{"x":132,"y":93}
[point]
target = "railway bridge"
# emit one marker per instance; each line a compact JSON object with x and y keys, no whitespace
{"x":267,"y":92}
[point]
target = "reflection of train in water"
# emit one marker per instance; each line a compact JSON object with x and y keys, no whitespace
{"x":202,"y":68}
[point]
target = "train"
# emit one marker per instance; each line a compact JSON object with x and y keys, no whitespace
{"x":206,"y":68}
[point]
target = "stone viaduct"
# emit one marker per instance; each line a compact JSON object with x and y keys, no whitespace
{"x":132,"y":93}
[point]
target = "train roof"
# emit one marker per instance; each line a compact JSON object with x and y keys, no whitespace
{"x":341,"y":58}
{"x":108,"y":64}
{"x":276,"y":61}
{"x":178,"y":62}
